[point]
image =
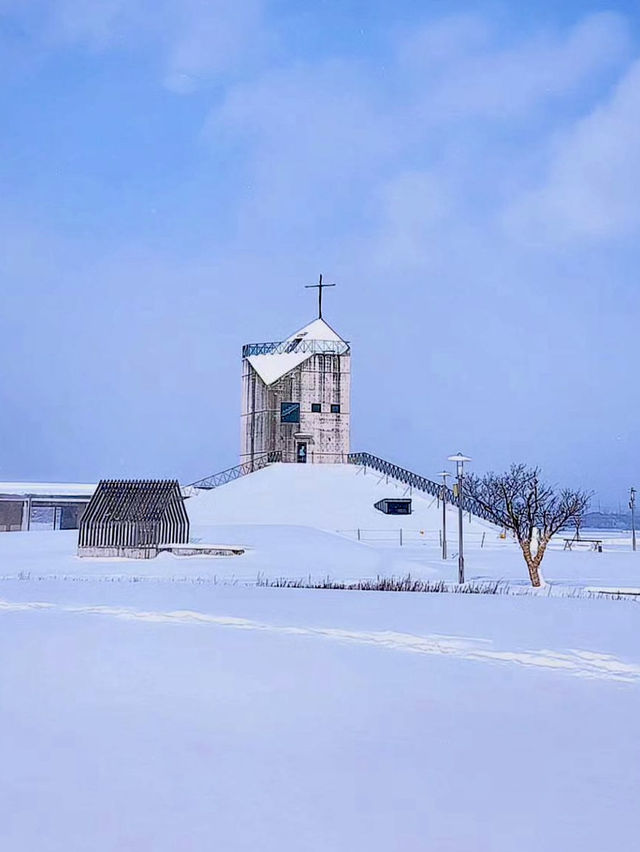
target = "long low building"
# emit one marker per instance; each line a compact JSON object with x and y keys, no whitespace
{"x":43,"y":505}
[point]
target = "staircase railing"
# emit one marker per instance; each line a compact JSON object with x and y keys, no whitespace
{"x":231,"y":473}
{"x":297,"y":345}
{"x":414,"y":480}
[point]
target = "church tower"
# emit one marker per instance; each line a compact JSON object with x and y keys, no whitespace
{"x":296,"y":396}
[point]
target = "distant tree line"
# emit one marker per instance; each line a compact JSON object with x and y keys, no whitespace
{"x":607,"y":520}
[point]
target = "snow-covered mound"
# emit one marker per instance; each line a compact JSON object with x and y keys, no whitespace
{"x":328,"y":496}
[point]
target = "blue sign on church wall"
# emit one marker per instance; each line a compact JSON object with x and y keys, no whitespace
{"x":289,"y":412}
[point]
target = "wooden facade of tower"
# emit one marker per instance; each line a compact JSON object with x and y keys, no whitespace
{"x":296,"y":397}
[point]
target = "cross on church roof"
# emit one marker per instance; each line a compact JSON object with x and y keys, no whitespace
{"x":320,"y":287}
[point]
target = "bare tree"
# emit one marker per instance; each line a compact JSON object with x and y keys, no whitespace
{"x":519,"y":502}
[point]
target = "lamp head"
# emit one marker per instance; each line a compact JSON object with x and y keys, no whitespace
{"x":459,"y":459}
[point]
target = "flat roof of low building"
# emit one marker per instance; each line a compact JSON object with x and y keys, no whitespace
{"x":47,"y":489}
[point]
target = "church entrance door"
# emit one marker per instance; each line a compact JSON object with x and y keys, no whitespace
{"x":301,"y":452}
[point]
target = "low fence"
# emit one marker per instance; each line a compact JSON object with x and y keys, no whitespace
{"x":404,"y":537}
{"x":608,"y":540}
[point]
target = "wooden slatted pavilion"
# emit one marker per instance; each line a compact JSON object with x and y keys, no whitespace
{"x":133,"y":518}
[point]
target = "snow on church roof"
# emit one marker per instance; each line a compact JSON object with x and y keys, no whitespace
{"x":272,"y":361}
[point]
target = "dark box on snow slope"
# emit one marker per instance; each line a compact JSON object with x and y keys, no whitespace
{"x":395,"y":506}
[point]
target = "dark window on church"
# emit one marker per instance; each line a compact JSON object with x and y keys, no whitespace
{"x":335,"y":408}
{"x":316,"y":407}
{"x":291,"y":347}
{"x":289,"y":412}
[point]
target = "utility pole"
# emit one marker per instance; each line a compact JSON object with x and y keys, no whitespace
{"x":632,"y":506}
{"x":444,"y":474}
{"x":459,"y":459}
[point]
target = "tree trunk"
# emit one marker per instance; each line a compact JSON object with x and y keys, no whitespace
{"x":533,"y":562}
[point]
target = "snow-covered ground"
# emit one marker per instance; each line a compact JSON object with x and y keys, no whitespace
{"x":178,"y":717}
{"x":301,"y":521}
{"x":275,"y":551}
{"x":172,"y":704}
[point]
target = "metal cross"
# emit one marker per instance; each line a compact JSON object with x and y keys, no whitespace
{"x":320,"y":287}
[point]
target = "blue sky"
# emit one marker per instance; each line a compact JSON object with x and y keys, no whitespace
{"x":173,"y":172}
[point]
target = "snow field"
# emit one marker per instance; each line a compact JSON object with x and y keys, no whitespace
{"x":174,"y":714}
{"x":166,"y":717}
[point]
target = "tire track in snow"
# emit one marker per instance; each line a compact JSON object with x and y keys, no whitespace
{"x":578,"y":663}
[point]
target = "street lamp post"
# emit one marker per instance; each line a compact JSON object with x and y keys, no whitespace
{"x":444,"y":474}
{"x":459,"y":459}
{"x":632,"y":506}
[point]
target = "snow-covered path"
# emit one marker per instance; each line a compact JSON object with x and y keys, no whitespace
{"x":580,"y":663}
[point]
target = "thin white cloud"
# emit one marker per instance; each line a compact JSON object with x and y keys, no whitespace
{"x":592,"y":185}
{"x":332,"y":139}
{"x":412,"y":208}
{"x":212,"y":38}
{"x":193,"y":40}
{"x":96,"y":24}
{"x":315,"y":138}
{"x":466,"y":73}
{"x":445,"y":42}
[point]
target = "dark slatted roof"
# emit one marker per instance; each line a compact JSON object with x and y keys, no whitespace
{"x":127,"y":513}
{"x":133,"y":499}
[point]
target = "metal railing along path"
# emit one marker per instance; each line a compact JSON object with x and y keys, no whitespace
{"x":231,"y":473}
{"x":414,"y":480}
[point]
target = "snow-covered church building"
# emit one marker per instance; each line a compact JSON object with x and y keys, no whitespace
{"x":296,"y":397}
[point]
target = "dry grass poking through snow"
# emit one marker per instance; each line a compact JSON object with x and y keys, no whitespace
{"x":379,"y":584}
{"x":412,"y":584}
{"x":387,"y":584}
